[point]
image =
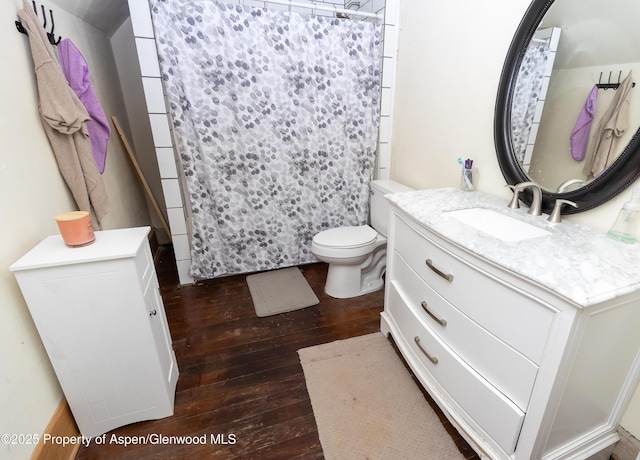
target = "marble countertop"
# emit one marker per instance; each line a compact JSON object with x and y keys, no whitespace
{"x":575,"y":261}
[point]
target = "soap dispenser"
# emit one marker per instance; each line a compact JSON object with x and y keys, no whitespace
{"x":625,"y":227}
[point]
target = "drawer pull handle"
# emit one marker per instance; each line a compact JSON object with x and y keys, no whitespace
{"x":438,"y":271}
{"x":440,"y":321}
{"x":433,"y":359}
{"x":153,"y":312}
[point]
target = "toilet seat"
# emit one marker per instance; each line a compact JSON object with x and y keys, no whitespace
{"x":346,"y":237}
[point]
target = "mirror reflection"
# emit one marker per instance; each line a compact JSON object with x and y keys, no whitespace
{"x":574,"y":110}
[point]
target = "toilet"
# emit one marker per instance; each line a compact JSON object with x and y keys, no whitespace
{"x":357,"y":256}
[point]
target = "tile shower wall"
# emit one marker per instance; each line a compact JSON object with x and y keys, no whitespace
{"x":177,"y":212}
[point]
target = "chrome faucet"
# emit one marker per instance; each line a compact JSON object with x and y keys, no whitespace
{"x":536,"y":205}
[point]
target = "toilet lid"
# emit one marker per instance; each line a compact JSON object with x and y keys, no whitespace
{"x":346,"y":237}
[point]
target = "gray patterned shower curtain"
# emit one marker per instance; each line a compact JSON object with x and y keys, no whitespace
{"x":527,"y":91}
{"x":275,"y":117}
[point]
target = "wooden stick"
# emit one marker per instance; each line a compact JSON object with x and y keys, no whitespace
{"x":141,"y":176}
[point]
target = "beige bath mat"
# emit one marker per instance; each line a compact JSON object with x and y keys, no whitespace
{"x":279,"y":291}
{"x":367,"y":405}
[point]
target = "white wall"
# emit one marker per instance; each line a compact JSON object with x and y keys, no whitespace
{"x":32,"y":192}
{"x":449,"y":62}
{"x":450,"y":55}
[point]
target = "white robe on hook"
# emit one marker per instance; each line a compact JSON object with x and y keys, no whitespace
{"x":64,"y":119}
{"x":614,"y":122}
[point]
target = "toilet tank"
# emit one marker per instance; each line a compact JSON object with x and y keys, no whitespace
{"x":379,"y":207}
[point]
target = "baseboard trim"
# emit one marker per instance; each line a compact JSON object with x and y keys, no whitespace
{"x":62,"y":424}
{"x":627,"y":448}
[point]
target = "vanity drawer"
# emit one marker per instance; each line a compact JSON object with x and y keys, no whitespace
{"x":505,"y":368}
{"x":510,"y":315}
{"x":498,"y":416}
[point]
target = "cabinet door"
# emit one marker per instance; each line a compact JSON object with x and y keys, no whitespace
{"x":160,"y":330}
{"x":154,"y":309}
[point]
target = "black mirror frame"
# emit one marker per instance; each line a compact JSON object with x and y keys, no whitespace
{"x":622,"y":173}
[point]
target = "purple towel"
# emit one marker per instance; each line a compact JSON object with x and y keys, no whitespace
{"x":76,"y":71}
{"x":580,"y":133}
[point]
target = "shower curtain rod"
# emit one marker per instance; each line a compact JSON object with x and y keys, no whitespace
{"x":325,"y":8}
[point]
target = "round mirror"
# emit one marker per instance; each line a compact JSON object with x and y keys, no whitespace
{"x":566,"y":115}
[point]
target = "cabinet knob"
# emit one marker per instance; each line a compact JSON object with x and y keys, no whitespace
{"x":153,"y":313}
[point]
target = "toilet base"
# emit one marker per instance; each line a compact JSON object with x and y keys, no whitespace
{"x":346,"y":281}
{"x":342,"y":285}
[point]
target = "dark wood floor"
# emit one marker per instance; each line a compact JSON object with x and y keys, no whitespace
{"x":240,"y":376}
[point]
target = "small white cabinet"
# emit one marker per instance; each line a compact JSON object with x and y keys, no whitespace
{"x":101,"y":319}
{"x":522,"y":371}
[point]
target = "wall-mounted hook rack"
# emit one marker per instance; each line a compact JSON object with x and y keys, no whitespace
{"x":608,"y":84}
{"x":50,"y":35}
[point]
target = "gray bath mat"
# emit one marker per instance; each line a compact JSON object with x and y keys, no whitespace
{"x":279,"y":291}
{"x":366,"y":404}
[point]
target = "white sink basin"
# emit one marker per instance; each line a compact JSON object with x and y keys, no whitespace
{"x":497,"y":224}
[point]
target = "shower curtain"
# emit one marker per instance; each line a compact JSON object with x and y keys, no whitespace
{"x":275,"y":117}
{"x":526,"y":94}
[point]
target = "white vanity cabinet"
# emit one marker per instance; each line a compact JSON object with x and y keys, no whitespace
{"x":101,"y":319}
{"x":521,"y":371}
